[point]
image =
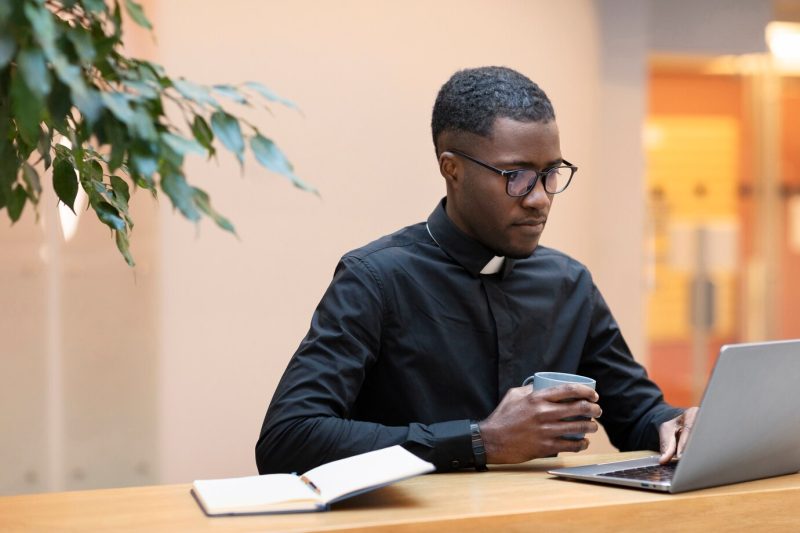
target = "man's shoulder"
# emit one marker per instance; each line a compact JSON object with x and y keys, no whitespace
{"x":395,"y":246}
{"x":557,"y":262}
{"x":551,"y":254}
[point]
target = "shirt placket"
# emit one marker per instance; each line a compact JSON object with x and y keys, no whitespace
{"x":507,"y":363}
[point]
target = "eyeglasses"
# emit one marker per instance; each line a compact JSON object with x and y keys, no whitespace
{"x":522,"y":181}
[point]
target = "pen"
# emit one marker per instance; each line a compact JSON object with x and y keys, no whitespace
{"x":310,"y":484}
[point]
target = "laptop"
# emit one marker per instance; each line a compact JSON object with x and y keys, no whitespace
{"x":748,"y":427}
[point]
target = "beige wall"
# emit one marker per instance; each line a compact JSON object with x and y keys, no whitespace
{"x":365,"y":74}
{"x":165,"y":373}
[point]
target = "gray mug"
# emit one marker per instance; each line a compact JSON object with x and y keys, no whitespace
{"x":545,"y":380}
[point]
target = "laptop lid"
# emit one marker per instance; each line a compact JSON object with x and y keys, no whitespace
{"x":748,"y":426}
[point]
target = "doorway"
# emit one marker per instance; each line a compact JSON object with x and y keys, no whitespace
{"x":722,"y":141}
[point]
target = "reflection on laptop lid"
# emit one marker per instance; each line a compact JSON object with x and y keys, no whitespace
{"x":748,"y":427}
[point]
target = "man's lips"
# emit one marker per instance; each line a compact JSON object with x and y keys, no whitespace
{"x":531,"y":222}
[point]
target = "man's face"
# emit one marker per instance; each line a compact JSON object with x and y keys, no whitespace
{"x":476,"y":197}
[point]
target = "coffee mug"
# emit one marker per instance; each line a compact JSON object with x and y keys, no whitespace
{"x":545,"y":380}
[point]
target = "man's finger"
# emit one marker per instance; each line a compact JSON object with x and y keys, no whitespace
{"x":669,"y":443}
{"x":570,"y":391}
{"x":687,"y":422}
{"x":682,"y":439}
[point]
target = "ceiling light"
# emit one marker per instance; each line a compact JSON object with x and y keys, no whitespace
{"x":783,"y":39}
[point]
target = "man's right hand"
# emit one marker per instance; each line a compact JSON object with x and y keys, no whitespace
{"x":527,"y":424}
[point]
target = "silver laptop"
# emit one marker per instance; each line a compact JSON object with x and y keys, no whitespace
{"x":748,"y":427}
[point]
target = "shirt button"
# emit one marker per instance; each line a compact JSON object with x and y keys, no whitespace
{"x":455,"y":463}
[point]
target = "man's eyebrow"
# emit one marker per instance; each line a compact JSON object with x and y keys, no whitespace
{"x":527,"y":164}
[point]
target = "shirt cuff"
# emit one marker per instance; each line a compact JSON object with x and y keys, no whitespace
{"x":448,"y":445}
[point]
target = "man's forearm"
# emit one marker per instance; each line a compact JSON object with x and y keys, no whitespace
{"x":301,"y":444}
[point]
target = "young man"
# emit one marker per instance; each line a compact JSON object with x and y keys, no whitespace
{"x":424,"y":336}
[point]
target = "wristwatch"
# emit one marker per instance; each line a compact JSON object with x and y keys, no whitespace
{"x":478,"y":451}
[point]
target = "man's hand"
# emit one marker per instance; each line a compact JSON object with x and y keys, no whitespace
{"x":674,"y":434}
{"x":529,"y":424}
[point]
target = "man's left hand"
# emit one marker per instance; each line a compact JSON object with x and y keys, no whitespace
{"x":675,"y":433}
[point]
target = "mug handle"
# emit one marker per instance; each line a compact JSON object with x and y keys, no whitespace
{"x":528,"y":381}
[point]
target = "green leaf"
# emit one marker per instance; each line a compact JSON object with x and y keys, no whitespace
{"x":144,"y":164}
{"x":203,"y":202}
{"x":124,"y":247}
{"x":156,"y":69}
{"x":96,"y":6}
{"x":146,"y":183}
{"x":7,"y":47}
{"x":268,"y":94}
{"x":194,"y":92}
{"x":106,"y":212}
{"x":144,"y":125}
{"x":145,"y":90}
{"x":88,"y":102}
{"x":202,"y":132}
{"x":16,"y":203}
{"x":84,"y":46}
{"x":116,"y":20}
{"x":182,"y":145}
{"x":118,"y":139}
{"x":181,"y":194}
{"x":270,"y":156}
{"x":92,"y":170}
{"x":32,"y":65}
{"x":99,"y":187}
{"x":59,"y":104}
{"x":65,"y":182}
{"x":118,"y":196}
{"x":170,"y":157}
{"x":109,"y":215}
{"x":27,"y":110}
{"x":118,"y":105}
{"x":137,"y":14}
{"x":31,"y":179}
{"x":45,"y":140}
{"x":227,"y":129}
{"x":121,"y":189}
{"x":69,"y":74}
{"x":231,"y":92}
{"x":44,"y":28}
{"x":5,"y":10}
{"x":9,"y":164}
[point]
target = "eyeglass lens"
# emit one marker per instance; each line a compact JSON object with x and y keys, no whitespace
{"x":554,"y":182}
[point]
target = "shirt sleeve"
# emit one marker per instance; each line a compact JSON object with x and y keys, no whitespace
{"x":633,"y":406}
{"x":309,"y":423}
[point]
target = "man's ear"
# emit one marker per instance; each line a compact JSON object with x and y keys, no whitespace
{"x":450,"y":168}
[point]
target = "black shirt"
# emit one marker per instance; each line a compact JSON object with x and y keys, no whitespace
{"x":410,"y":342}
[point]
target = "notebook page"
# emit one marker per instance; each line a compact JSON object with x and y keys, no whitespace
{"x":252,"y":493}
{"x":366,"y":471}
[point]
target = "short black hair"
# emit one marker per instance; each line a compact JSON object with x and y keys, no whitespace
{"x":472,"y":99}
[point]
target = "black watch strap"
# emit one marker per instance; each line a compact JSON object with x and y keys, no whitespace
{"x":478,"y":451}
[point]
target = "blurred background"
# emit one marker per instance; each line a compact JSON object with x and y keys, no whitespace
{"x":684,"y":121}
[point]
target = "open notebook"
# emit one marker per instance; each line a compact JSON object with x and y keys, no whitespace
{"x":313,"y":491}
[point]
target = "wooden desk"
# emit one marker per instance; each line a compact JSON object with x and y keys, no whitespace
{"x":521,"y":497}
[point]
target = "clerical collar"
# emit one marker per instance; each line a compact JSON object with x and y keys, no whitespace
{"x":473,"y":256}
{"x":494,"y":265}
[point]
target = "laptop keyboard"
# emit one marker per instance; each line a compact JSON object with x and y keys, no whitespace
{"x":646,"y":473}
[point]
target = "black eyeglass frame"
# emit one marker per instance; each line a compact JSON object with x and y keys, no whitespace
{"x":511,"y":174}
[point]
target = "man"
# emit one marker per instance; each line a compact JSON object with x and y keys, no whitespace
{"x":424,"y":336}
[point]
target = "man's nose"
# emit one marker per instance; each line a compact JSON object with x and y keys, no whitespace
{"x":537,"y":198}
